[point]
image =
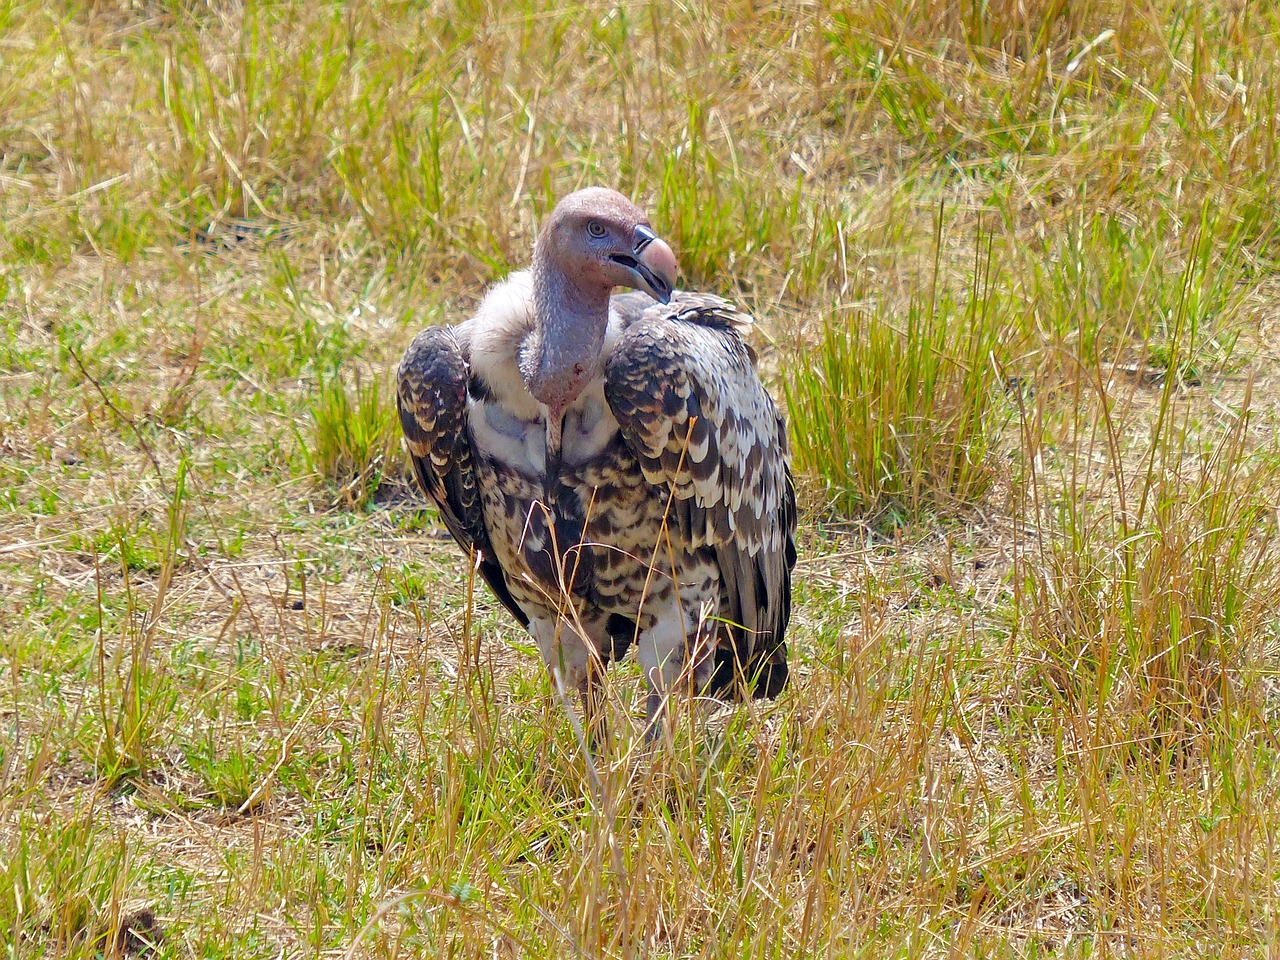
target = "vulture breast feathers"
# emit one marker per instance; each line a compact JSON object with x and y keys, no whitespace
{"x":614,"y":462}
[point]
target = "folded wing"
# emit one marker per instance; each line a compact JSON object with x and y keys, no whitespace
{"x":683,"y":387}
{"x":431,"y":394}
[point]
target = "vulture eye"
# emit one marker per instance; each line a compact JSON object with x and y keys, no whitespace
{"x":596,"y":228}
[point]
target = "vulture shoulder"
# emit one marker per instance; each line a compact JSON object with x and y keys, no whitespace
{"x":683,"y":386}
{"x":433,"y":381}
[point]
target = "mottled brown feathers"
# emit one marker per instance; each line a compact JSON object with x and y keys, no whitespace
{"x":431,"y":395}
{"x":688,"y":400}
{"x":667,"y":516}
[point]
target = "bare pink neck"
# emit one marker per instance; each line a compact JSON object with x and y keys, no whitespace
{"x":556,"y":295}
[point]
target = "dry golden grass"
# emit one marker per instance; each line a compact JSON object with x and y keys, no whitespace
{"x":1034,"y":632}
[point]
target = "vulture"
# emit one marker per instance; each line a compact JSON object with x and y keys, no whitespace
{"x":612,"y":463}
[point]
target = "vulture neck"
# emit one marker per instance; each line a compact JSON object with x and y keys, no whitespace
{"x":566,"y":313}
{"x":562,"y":355}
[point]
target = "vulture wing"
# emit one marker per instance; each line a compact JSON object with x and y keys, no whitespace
{"x":432,"y":396}
{"x":683,"y":387}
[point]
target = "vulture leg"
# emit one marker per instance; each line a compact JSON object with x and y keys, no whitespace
{"x":575,"y":662}
{"x":676,"y":650}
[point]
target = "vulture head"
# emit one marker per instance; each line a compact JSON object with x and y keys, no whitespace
{"x":595,"y":240}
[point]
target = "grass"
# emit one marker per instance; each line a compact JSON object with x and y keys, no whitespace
{"x":356,"y":438}
{"x":900,"y":413}
{"x":1016,"y":269}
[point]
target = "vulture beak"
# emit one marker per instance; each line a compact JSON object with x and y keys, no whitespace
{"x":652,"y":263}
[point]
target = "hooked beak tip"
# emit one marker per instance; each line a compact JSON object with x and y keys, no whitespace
{"x":656,"y":264}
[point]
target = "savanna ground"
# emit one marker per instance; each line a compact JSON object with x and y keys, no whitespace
{"x":1017,"y":274}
